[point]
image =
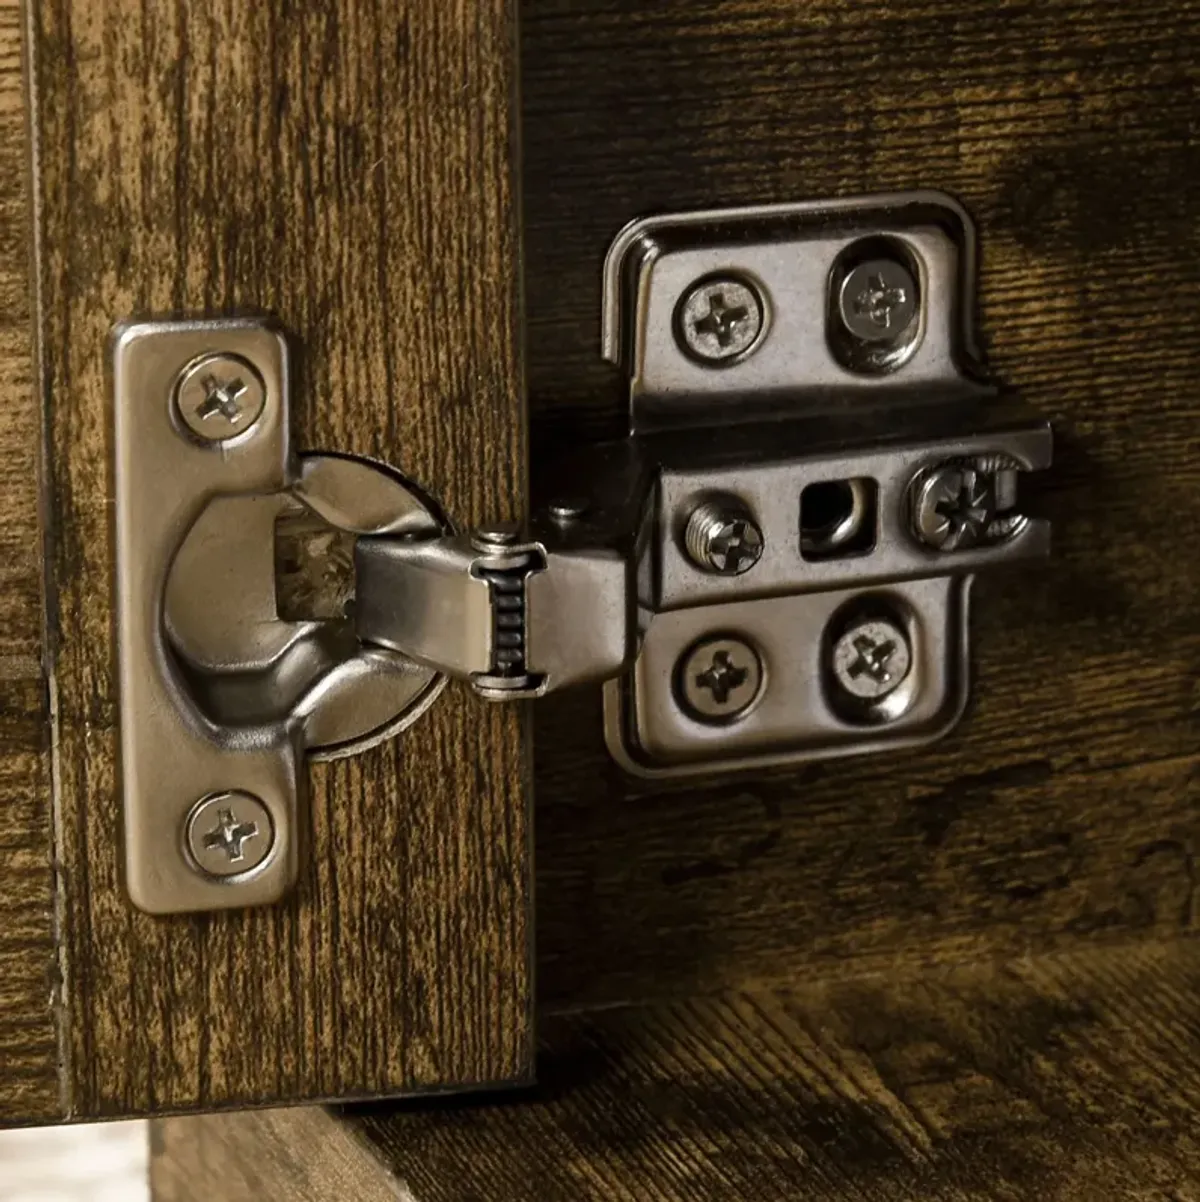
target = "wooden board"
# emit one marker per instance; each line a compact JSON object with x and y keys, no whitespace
{"x":1064,"y":810}
{"x":348,"y":167}
{"x":300,"y":1155}
{"x":1067,"y":1078}
{"x":28,"y":959}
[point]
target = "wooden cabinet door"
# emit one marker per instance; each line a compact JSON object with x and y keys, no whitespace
{"x":349,"y":169}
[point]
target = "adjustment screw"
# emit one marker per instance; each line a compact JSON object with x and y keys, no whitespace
{"x":877,"y":301}
{"x":219,"y":397}
{"x":719,"y":679}
{"x":720,"y":320}
{"x":952,"y":506}
{"x":872,"y":658}
{"x":228,"y":834}
{"x":721,"y":537}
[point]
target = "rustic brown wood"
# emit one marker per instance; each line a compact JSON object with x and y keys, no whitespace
{"x":348,"y":167}
{"x":1069,"y":1078}
{"x":301,"y":1155}
{"x":28,"y":992}
{"x":1064,"y":809}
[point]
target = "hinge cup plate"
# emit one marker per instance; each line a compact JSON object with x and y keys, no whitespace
{"x":171,"y":755}
{"x":223,"y":688}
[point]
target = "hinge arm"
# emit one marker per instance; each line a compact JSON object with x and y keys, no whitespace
{"x":513,"y":618}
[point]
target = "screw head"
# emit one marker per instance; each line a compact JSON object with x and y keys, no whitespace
{"x":229,"y":834}
{"x":721,"y":537}
{"x":568,"y":510}
{"x":952,"y":506}
{"x":720,"y":320}
{"x":719,"y":679}
{"x":497,"y":537}
{"x":219,"y":397}
{"x":877,"y":301}
{"x":871,"y":658}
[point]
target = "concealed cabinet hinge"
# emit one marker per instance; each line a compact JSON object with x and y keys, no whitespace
{"x":773,"y":566}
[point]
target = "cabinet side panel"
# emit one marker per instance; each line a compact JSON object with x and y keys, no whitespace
{"x":29,"y":992}
{"x":1063,"y":810}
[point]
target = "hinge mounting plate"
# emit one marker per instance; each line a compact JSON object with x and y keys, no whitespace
{"x":811,"y":369}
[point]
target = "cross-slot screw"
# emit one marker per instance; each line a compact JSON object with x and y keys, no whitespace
{"x":952,"y":506}
{"x":720,"y":320}
{"x":871,"y":658}
{"x":722,"y":538}
{"x":229,"y":834}
{"x":877,"y":301}
{"x":219,"y":397}
{"x":719,"y":679}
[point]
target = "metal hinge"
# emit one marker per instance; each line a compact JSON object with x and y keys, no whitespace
{"x":774,"y":565}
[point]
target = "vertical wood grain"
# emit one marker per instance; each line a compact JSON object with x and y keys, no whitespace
{"x":350,"y":168}
{"x":29,"y":1081}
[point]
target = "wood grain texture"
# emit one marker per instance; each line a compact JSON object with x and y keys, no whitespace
{"x":348,"y":167}
{"x":302,"y":1155}
{"x":1067,"y":1077}
{"x":1064,"y":808}
{"x":29,"y":1087}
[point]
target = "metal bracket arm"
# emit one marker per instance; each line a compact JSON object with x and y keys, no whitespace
{"x":521,"y":617}
{"x":775,"y":566}
{"x":512,"y":617}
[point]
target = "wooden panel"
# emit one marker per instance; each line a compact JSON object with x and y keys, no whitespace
{"x":1064,"y":809}
{"x":348,"y":167}
{"x":29,"y":1086}
{"x":301,"y":1155}
{"x":1068,"y":1078}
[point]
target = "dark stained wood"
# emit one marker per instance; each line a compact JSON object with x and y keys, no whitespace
{"x":1064,"y":810}
{"x":20,"y":560}
{"x":348,"y":167}
{"x":1062,"y":814}
{"x":1067,"y":1078}
{"x":29,"y":1086}
{"x":29,"y":991}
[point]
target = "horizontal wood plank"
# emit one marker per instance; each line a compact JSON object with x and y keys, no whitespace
{"x":1067,"y":1078}
{"x":301,"y":1155}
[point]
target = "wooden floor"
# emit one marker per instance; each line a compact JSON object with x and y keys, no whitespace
{"x":1063,"y":1077}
